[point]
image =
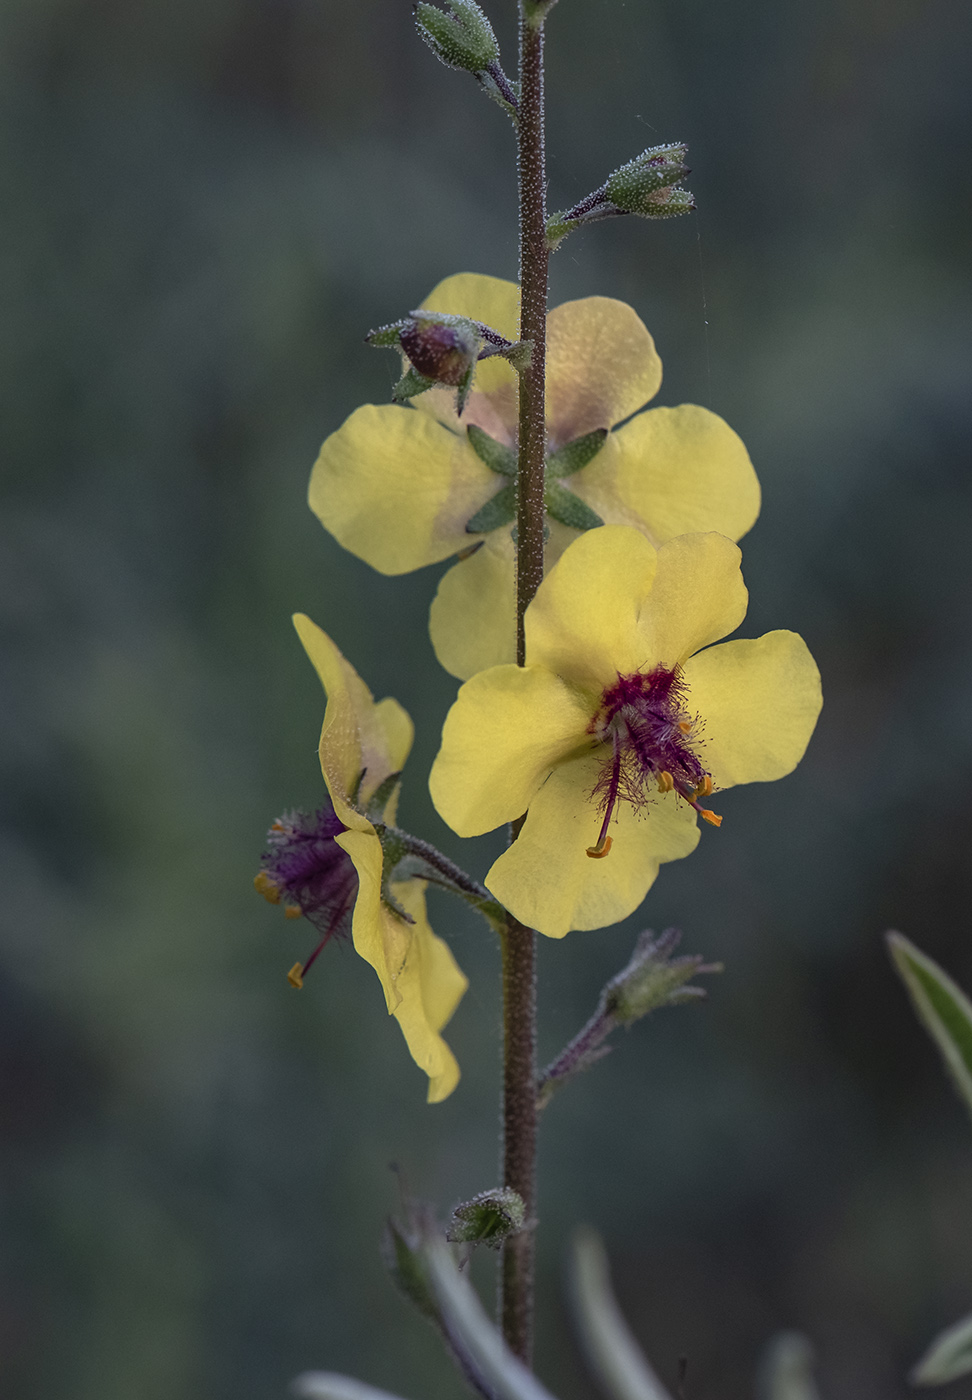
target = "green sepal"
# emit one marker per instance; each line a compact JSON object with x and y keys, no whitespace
{"x":497,"y":457}
{"x":403,"y":1259}
{"x":489,"y":1218}
{"x":386,"y":337}
{"x":380,"y":798}
{"x":669,"y":204}
{"x":411,"y":384}
{"x":393,"y":851}
{"x":948,"y":1357}
{"x":942,"y":1007}
{"x":558,"y":228}
{"x":464,"y":388}
{"x":569,"y":509}
{"x":574,"y":455}
{"x":497,"y":511}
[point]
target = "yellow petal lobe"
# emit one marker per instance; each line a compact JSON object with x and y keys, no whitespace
{"x":357,"y":734}
{"x":546,"y":879}
{"x":759,"y":701}
{"x":583,"y":622}
{"x":508,"y":727}
{"x":395,"y":488}
{"x":673,"y":471}
{"x":601,"y":366}
{"x":698,"y":595}
{"x":472,"y":621}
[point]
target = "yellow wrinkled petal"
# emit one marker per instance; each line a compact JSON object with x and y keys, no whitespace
{"x":673,"y":471}
{"x":548,"y":881}
{"x":583,"y":622}
{"x":357,"y":734}
{"x":396,"y":488}
{"x":431,"y":985}
{"x":697,"y":597}
{"x":418,"y":975}
{"x":602,"y":366}
{"x":759,"y":701}
{"x":472,"y":621}
{"x":508,"y":727}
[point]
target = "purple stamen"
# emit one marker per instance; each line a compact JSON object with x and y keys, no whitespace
{"x":305,"y":864}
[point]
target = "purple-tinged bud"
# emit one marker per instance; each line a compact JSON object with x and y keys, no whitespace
{"x":307,"y":871}
{"x":441,"y":348}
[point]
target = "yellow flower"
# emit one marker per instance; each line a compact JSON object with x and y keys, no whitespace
{"x":402,"y":487}
{"x":620,"y":724}
{"x":362,"y":745}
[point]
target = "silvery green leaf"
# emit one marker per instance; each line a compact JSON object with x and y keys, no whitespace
{"x":614,"y":1356}
{"x":476,"y":1341}
{"x":326,"y":1385}
{"x":948,"y":1357}
{"x":942,"y":1006}
{"x":786,"y":1372}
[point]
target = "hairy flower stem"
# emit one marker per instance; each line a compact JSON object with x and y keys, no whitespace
{"x":519,"y":1130}
{"x":519,"y":943}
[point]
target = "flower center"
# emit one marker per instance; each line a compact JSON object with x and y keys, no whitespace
{"x":306,"y":866}
{"x":652,"y":736}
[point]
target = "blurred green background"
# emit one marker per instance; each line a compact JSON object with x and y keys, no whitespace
{"x":205,"y":205}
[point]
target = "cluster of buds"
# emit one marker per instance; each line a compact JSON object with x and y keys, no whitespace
{"x":444,"y":349}
{"x":647,"y":186}
{"x":462,"y":37}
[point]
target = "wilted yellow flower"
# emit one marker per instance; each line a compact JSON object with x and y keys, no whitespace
{"x":404,"y":487}
{"x":622,"y":723}
{"x":362,"y":745}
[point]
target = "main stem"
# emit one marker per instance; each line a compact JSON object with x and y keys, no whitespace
{"x":519,"y":943}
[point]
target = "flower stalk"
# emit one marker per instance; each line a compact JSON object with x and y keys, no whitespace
{"x":518,"y":941}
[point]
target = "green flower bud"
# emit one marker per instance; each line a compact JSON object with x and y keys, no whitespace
{"x":489,"y":1218}
{"x":461,"y":37}
{"x":648,"y":185}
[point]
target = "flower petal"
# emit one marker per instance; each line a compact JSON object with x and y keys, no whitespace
{"x":672,"y":471}
{"x":549,"y":882}
{"x":419,"y":978}
{"x":697,"y":597}
{"x":357,"y":734}
{"x":431,"y":986}
{"x":583,"y":622}
{"x":472,"y":621}
{"x":396,"y":488}
{"x":508,"y":727}
{"x":759,"y":701}
{"x":602,"y":365}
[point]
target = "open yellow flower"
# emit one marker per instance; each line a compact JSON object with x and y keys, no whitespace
{"x":624,"y":719}
{"x":404,"y":487}
{"x":362,"y":745}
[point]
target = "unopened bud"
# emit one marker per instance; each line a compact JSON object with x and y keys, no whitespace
{"x":648,"y":185}
{"x":441,"y":348}
{"x":461,"y":36}
{"x":489,"y":1218}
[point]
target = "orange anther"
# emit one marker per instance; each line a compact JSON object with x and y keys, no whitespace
{"x":268,"y":887}
{"x":277,"y":826}
{"x":712,"y":818}
{"x":705,"y":787}
{"x":599,"y":851}
{"x":293,"y":911}
{"x":666,"y":783}
{"x":685,"y":725}
{"x":294,"y":976}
